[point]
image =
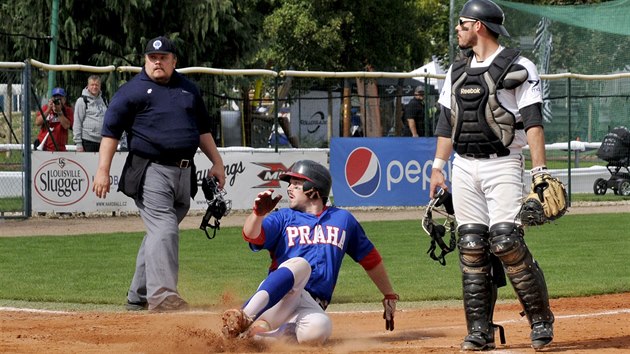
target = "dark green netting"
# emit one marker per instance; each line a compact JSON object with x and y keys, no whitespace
{"x":611,"y":16}
{"x":584,"y":39}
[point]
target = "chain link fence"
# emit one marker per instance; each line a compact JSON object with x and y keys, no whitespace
{"x":283,"y":110}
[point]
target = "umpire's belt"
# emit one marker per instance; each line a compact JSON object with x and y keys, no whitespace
{"x":484,"y":155}
{"x":183,"y":163}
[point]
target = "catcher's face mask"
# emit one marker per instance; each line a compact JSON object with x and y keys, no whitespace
{"x":441,"y":204}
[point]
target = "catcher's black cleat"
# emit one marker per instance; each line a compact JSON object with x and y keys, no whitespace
{"x":542,"y":334}
{"x":477,"y":341}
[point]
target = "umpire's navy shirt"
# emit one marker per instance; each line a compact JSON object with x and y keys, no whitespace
{"x":164,"y":121}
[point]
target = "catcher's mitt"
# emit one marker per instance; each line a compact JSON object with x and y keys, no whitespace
{"x":546,"y":202}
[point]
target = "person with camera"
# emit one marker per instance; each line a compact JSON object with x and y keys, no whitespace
{"x":166,"y":121}
{"x":307,"y":242}
{"x":59,"y":117}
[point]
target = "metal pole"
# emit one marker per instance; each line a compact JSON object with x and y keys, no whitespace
{"x":427,"y":119}
{"x":54,"y":30}
{"x":275,"y":113}
{"x":451,"y":32}
{"x":26,"y":133}
{"x":570,"y":135}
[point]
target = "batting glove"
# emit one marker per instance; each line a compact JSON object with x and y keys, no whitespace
{"x":264,"y":203}
{"x":389,"y":304}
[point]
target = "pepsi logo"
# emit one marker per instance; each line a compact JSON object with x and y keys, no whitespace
{"x":363,"y":172}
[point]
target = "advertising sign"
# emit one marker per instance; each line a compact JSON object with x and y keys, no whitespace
{"x":62,"y":181}
{"x":309,"y":118}
{"x":392,"y":171}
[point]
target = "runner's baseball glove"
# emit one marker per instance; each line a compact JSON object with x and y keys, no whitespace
{"x":389,"y":309}
{"x":546,"y":202}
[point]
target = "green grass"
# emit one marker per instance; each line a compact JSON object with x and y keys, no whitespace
{"x":580,"y":254}
{"x":591,"y":197}
{"x":16,"y":204}
{"x":11,"y":204}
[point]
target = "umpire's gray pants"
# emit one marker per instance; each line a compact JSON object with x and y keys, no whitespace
{"x":164,"y":203}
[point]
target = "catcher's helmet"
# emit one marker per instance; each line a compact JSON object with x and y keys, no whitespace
{"x":315,"y":175}
{"x":486,"y":11}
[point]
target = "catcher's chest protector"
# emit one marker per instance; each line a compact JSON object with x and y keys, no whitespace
{"x":480,"y":124}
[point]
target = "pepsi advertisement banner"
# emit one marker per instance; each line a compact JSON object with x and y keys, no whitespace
{"x":392,"y":171}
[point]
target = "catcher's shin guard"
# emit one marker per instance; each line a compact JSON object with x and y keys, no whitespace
{"x":479,"y":290}
{"x":507,"y":243}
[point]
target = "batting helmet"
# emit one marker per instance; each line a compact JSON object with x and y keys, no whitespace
{"x":315,"y":175}
{"x":486,"y":11}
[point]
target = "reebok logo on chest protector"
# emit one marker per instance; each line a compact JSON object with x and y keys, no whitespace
{"x":466,"y":91}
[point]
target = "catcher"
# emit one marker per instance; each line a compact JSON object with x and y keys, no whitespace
{"x":307,"y":243}
{"x":490,"y":109}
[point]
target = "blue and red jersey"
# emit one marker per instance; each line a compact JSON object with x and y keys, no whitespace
{"x":323,"y":240}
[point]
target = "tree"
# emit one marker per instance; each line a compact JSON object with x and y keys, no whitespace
{"x":348,"y":35}
{"x":113,"y":32}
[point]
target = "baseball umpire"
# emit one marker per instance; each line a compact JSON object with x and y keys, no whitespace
{"x":166,"y":120}
{"x":491,"y":108}
{"x":307,"y":243}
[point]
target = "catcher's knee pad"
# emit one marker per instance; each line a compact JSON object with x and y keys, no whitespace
{"x":313,"y":328}
{"x":507,"y":243}
{"x":473,"y":248}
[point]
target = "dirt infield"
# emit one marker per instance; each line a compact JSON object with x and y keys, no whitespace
{"x":583,"y":325}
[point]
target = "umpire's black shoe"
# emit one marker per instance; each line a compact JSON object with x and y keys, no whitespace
{"x":137,"y":306}
{"x":477,"y":341}
{"x":170,"y":304}
{"x":542,"y":334}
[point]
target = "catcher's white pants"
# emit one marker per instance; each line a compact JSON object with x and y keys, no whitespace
{"x":297,"y":311}
{"x":488,"y":191}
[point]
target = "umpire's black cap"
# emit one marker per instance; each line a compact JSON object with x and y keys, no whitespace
{"x":161,"y":45}
{"x":486,"y":11}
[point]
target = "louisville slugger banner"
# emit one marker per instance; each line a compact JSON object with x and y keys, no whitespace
{"x":62,"y":181}
{"x":382,"y":171}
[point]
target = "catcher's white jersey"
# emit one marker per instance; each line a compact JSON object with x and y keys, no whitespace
{"x":526,"y":94}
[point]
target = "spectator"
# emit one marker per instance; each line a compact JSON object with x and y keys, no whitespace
{"x":166,"y":121}
{"x":413,"y":115}
{"x":89,"y":111}
{"x":53,"y":133}
{"x":285,"y":139}
{"x":356,"y":128}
